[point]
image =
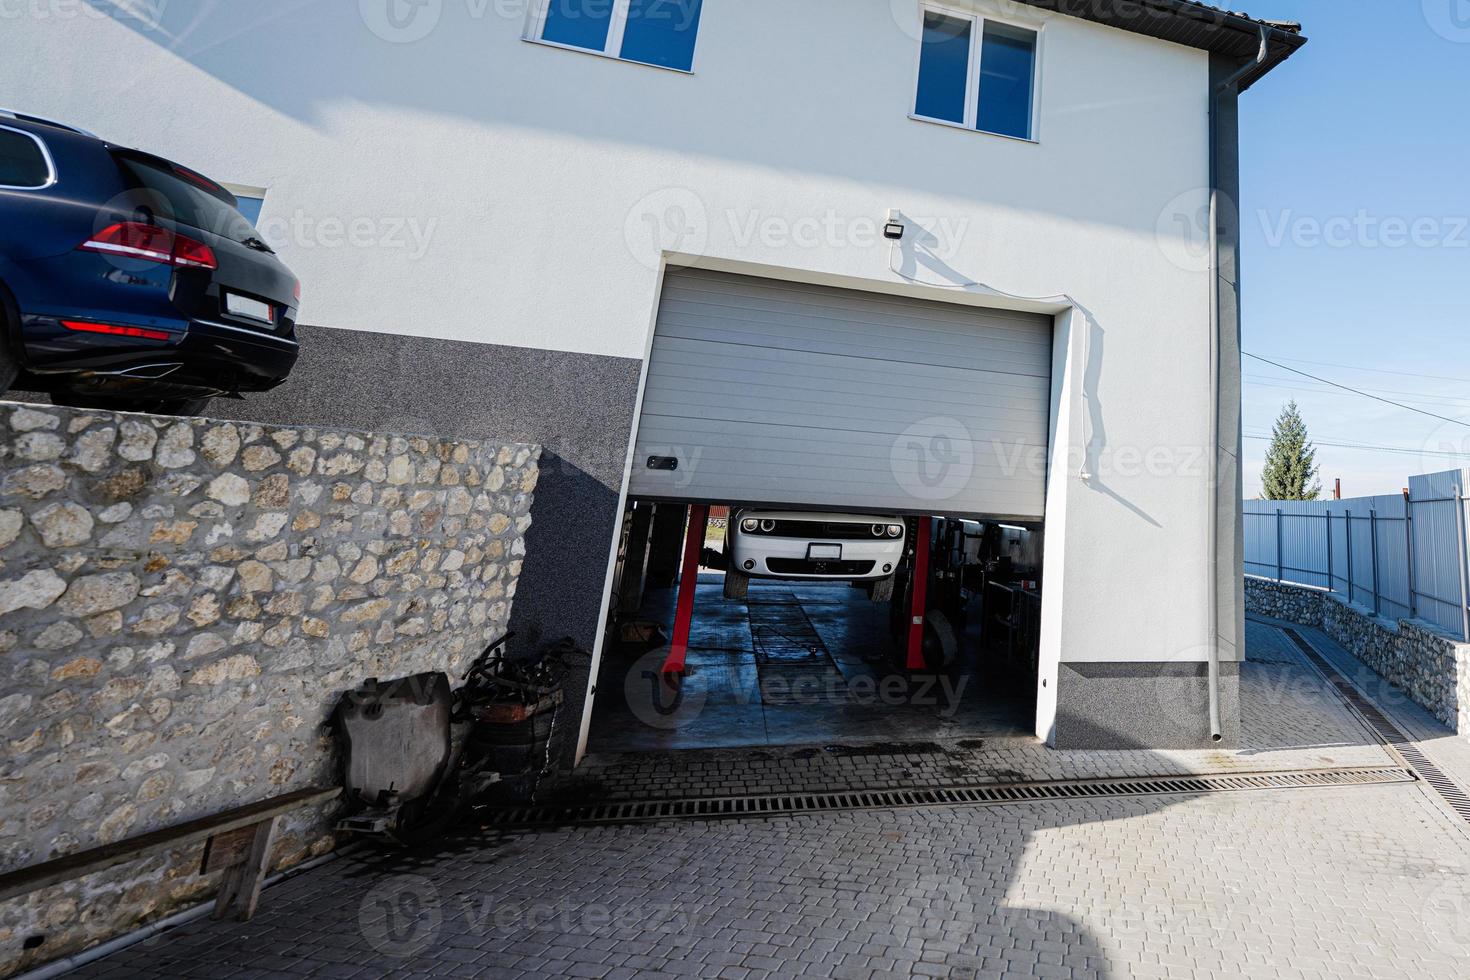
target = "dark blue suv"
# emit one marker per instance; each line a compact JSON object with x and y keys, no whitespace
{"x":130,"y":282}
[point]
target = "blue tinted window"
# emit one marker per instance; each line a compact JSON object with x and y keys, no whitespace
{"x":662,"y":32}
{"x":580,"y":23}
{"x":944,"y":66}
{"x":250,"y":208}
{"x":1007,"y":71}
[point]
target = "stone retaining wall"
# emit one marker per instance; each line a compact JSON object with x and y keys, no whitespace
{"x":182,"y":602}
{"x":1431,"y":668}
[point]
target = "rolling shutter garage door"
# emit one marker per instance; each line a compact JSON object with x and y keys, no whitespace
{"x":774,"y":392}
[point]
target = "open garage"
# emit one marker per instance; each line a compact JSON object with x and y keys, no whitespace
{"x":835,"y":519}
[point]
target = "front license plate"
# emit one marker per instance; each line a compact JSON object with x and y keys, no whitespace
{"x":824,"y":552}
{"x":252,"y":309}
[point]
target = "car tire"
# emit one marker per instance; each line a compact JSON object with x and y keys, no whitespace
{"x":881,"y":590}
{"x":9,"y":367}
{"x":941,"y":646}
{"x":737,"y":584}
{"x":9,"y":362}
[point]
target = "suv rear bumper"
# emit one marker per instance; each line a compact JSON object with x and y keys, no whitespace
{"x":200,"y":355}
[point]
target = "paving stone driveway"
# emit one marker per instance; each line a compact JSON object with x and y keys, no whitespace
{"x":1346,"y":882}
{"x":1334,"y":883}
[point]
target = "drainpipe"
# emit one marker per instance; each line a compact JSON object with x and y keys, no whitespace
{"x":1212,"y":546}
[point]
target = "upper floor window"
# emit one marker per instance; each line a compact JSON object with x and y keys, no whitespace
{"x":976,"y":72}
{"x":249,"y":201}
{"x":24,"y":164}
{"x":651,"y":32}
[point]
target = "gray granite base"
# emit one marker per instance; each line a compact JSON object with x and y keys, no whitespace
{"x":1143,"y":706}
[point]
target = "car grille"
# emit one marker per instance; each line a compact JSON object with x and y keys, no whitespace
{"x":827,"y":531}
{"x":804,"y":566}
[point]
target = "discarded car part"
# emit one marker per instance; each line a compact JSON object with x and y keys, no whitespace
{"x":396,"y":750}
{"x":512,"y":706}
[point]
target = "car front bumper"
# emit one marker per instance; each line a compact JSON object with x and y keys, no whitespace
{"x":790,"y":558}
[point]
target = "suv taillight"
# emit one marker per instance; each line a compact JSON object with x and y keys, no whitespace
{"x":150,"y":243}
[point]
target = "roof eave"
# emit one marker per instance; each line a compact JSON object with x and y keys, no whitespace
{"x":1192,"y":24}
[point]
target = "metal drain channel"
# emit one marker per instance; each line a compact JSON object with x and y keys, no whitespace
{"x":781,"y":804}
{"x":1385,"y":729}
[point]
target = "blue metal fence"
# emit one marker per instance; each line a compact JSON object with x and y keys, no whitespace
{"x":1403,"y":556}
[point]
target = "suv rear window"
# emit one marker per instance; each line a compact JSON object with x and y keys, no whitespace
{"x":188,"y":202}
{"x":23,"y":163}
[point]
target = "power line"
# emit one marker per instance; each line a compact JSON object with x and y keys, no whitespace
{"x":1354,"y":367}
{"x":1300,"y":387}
{"x":1272,"y":381}
{"x":1376,"y":398}
{"x":1383,"y":449}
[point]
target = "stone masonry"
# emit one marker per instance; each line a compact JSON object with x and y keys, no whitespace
{"x":182,"y":603}
{"x":1432,"y":668}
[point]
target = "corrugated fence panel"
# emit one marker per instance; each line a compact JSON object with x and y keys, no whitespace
{"x":1439,"y":563}
{"x":1360,"y":548}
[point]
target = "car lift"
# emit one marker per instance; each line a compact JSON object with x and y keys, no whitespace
{"x":675,"y":667}
{"x":914,"y":662}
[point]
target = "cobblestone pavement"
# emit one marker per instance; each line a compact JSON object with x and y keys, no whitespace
{"x":1368,"y":882}
{"x":1344,"y":882}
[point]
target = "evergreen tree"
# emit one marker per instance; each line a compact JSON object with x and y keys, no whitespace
{"x":1291,"y":462}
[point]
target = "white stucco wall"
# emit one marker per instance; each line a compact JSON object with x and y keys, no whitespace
{"x":530,"y":172}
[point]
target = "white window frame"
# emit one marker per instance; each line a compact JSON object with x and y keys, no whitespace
{"x":248,"y":191}
{"x":612,"y":48}
{"x":978,"y":19}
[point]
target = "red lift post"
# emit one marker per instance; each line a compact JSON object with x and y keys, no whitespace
{"x":688,"y":580}
{"x":917,"y":610}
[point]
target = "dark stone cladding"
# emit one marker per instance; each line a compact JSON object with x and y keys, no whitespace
{"x":579,"y":407}
{"x":1144,"y":706}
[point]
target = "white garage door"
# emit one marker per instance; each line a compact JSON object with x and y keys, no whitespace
{"x":769,"y":392}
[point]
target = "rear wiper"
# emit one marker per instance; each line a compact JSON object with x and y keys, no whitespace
{"x":258,"y":244}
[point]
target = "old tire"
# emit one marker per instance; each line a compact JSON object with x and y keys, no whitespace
{"x":737,"y":584}
{"x":881,"y":590}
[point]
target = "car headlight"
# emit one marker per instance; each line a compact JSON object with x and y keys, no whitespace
{"x":768,"y":525}
{"x":895,"y":530}
{"x":878,"y":530}
{"x":749,"y":525}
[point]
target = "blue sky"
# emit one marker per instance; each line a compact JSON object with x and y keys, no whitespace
{"x":1356,"y":236}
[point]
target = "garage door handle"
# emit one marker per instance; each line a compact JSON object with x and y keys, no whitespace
{"x":669,"y":463}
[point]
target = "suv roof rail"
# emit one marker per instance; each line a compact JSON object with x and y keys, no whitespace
{"x":25,"y":117}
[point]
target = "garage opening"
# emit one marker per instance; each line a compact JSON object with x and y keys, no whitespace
{"x":817,"y":659}
{"x":835,"y":521}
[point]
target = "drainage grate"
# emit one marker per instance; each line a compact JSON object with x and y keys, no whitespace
{"x":1386,"y":730}
{"x":783,"y":804}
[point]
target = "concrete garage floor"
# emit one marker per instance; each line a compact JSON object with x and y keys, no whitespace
{"x":1368,"y":881}
{"x":796,"y":663}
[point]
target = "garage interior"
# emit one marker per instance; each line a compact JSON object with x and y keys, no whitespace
{"x":810,"y":402}
{"x":800,"y":662}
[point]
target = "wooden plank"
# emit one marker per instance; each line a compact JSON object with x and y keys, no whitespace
{"x":101,"y":858}
{"x":239,"y":889}
{"x":227,"y":850}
